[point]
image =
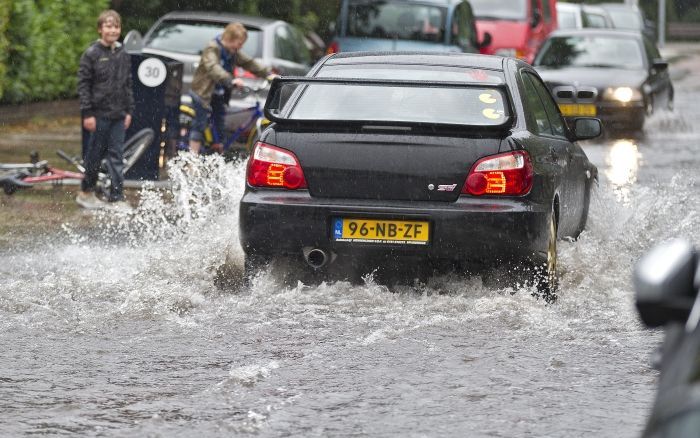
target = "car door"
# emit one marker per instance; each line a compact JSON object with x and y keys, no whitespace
{"x":290,"y":54}
{"x":558,"y":155}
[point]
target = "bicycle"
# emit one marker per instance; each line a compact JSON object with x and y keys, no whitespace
{"x":16,"y":176}
{"x":250,"y":129}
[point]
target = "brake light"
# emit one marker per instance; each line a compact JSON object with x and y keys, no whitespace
{"x":503,"y":174}
{"x":333,"y":47}
{"x":270,"y":166}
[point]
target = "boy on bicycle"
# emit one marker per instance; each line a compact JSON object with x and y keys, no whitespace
{"x":214,"y":76}
{"x":106,"y":105}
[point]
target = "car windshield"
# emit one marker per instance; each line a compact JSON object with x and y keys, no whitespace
{"x":500,"y":9}
{"x":591,"y":51}
{"x":190,"y":37}
{"x":427,"y":103}
{"x":394,"y":19}
{"x":626,"y":19}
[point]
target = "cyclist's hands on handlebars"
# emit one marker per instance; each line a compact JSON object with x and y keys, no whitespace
{"x":238,"y":83}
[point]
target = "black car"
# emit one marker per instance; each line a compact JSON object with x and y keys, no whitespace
{"x":421,"y":159}
{"x":617,"y":76}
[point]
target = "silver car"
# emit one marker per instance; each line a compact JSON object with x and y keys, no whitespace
{"x":273,"y":43}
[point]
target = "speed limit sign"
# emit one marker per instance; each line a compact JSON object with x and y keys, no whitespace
{"x":151,"y":72}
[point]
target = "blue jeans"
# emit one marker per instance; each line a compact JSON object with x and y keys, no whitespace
{"x":216,"y":111}
{"x":106,"y":142}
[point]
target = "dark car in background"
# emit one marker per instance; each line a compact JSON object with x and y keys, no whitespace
{"x":401,"y":25}
{"x":274,"y":43}
{"x":423,"y":159}
{"x":617,"y":76}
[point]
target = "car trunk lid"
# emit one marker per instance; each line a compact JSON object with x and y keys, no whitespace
{"x":366,"y":164}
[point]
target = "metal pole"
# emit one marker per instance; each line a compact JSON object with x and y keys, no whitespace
{"x":661,"y":26}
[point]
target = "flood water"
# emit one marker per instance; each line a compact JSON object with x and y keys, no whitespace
{"x":130,"y":336}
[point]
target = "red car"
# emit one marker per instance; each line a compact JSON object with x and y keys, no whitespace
{"x":517,"y":27}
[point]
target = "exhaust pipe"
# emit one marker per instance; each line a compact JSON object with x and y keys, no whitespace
{"x":316,"y":258}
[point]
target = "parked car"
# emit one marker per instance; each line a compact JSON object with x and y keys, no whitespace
{"x":630,"y":17}
{"x":579,"y":15}
{"x":274,"y":43}
{"x":667,"y":281}
{"x":405,"y":25}
{"x":517,"y":27}
{"x":617,"y":76}
{"x":427,"y":160}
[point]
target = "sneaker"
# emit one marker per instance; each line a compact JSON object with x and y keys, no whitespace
{"x":89,"y":201}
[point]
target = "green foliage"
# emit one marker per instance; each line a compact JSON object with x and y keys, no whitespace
{"x":46,"y":39}
{"x":5,"y":7}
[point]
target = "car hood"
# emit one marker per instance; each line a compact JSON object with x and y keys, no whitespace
{"x":352,"y":44}
{"x":593,"y":77}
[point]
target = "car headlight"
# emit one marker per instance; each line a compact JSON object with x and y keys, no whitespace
{"x":622,"y":94}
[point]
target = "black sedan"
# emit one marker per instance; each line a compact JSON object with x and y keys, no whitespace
{"x":617,"y":76}
{"x":423,"y":159}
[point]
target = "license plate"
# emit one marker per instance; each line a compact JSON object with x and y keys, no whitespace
{"x":381,"y":231}
{"x":577,"y":109}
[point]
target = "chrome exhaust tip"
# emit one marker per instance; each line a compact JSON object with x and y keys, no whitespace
{"x":315,"y":257}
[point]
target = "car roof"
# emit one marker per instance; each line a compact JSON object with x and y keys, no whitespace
{"x":596,"y":32}
{"x":220,"y":17}
{"x":469,"y":60}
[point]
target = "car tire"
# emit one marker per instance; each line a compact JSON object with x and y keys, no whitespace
{"x":544,"y":269}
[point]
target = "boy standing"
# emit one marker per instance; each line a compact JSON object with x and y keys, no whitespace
{"x":106,"y":105}
{"x":214,"y":76}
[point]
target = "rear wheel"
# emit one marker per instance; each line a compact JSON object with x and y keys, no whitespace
{"x":545,"y":265}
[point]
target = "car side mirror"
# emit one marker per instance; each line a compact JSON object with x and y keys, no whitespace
{"x":663,"y":281}
{"x":133,"y":41}
{"x":586,"y":128}
{"x":659,"y":64}
{"x":485,"y":41}
{"x":536,"y":18}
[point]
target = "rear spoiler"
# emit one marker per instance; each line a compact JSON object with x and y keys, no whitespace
{"x":280,"y":103}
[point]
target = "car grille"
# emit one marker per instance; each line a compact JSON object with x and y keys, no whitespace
{"x":571,"y":94}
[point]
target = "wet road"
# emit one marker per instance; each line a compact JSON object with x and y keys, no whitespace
{"x":134,"y":339}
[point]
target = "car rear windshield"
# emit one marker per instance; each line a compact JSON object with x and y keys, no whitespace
{"x":396,"y":20}
{"x":591,"y":51}
{"x":500,"y":9}
{"x":426,"y":103}
{"x":190,"y":37}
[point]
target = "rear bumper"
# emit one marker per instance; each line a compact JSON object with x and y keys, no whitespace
{"x":470,"y":230}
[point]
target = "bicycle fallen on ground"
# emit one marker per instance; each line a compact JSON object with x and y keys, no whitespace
{"x":14,"y":176}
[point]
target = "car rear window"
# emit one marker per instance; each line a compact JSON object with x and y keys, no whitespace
{"x":396,"y":20}
{"x":591,"y":51}
{"x":190,"y":37}
{"x":406,"y":102}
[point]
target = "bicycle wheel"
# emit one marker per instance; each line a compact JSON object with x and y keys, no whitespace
{"x":136,"y":146}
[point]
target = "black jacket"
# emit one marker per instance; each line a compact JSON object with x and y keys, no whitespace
{"x":104,"y":82}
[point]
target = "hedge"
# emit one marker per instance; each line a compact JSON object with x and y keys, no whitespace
{"x":43,"y":43}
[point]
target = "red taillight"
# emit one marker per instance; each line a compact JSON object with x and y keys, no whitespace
{"x":333,"y":47}
{"x":270,"y":166}
{"x":503,"y":174}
